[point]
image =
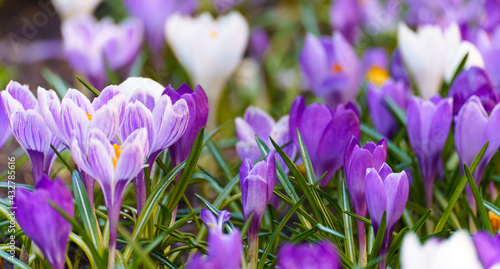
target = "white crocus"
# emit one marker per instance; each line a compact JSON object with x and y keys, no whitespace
{"x":457,"y":252}
{"x":210,"y":50}
{"x":133,"y":84}
{"x":72,"y":8}
{"x":456,"y":55}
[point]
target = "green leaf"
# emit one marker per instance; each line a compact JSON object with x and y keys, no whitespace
{"x":330,"y":231}
{"x":349,"y":243}
{"x":492,"y":207}
{"x":7,"y":257}
{"x":61,"y":158}
{"x":420,"y":221}
{"x":479,"y":201}
{"x":57,"y":83}
{"x":379,"y":238}
{"x":157,"y":256}
{"x":245,"y":227}
{"x":396,"y":244}
{"x":395,"y":110}
{"x":311,"y":177}
{"x":88,"y":86}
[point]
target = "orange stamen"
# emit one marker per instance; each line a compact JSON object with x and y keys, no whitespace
{"x":118,"y":151}
{"x":495,"y":221}
{"x":88,"y":116}
{"x":213,"y":34}
{"x":336,"y":68}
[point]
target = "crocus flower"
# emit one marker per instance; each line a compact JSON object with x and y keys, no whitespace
{"x":256,"y":122}
{"x":326,"y":133}
{"x":90,"y":45}
{"x":456,"y":252}
{"x":375,"y":65}
{"x":259,"y":43}
{"x":473,"y":128}
{"x":257,"y":186}
{"x":213,"y":222}
{"x":219,"y":48}
{"x":224,"y":252}
{"x":473,"y":81}
{"x":397,"y":68}
{"x":331,"y":68}
{"x":488,"y":249}
{"x":428,"y":124}
{"x":4,"y":125}
{"x":113,"y":166}
{"x":376,"y":99}
{"x":154,"y":14}
{"x":346,"y":16}
{"x":29,"y":128}
{"x":321,"y":255}
{"x":73,"y":8}
{"x":386,"y":191}
{"x":495,"y":221}
{"x":356,"y":160}
{"x":489,"y":46}
{"x":41,"y":222}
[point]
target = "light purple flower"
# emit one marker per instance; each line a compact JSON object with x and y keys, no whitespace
{"x":224,"y":252}
{"x":489,"y":46}
{"x":317,"y":256}
{"x":48,"y":229}
{"x":428,"y":124}
{"x":29,"y":129}
{"x":213,"y":222}
{"x":326,"y":133}
{"x":331,"y":68}
{"x":4,"y":125}
{"x":346,"y":16}
{"x":488,"y":249}
{"x":259,"y":43}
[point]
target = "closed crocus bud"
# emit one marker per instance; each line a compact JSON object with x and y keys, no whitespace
{"x":386,"y":191}
{"x":259,"y":43}
{"x":321,"y":255}
{"x":219,"y":48}
{"x":473,"y":81}
{"x":4,"y":125}
{"x":213,"y":222}
{"x":346,"y":16}
{"x":489,"y":46}
{"x":41,"y":222}
{"x":473,"y":128}
{"x":488,"y":249}
{"x":456,"y":252}
{"x":331,"y":68}
{"x":376,"y":99}
{"x":326,"y":133}
{"x":428,"y":124}
{"x":73,"y":8}
{"x":29,"y":128}
{"x":224,"y":252}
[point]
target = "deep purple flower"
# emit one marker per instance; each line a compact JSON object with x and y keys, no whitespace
{"x":488,"y":249}
{"x":224,"y":252}
{"x":213,"y":222}
{"x":376,"y":97}
{"x":397,"y":68}
{"x":489,"y":46}
{"x":259,"y":43}
{"x":4,"y":125}
{"x":428,"y":124}
{"x":492,"y":8}
{"x":346,"y":16}
{"x":326,"y":133}
{"x":306,"y":255}
{"x":331,"y":68}
{"x":48,"y":229}
{"x":386,"y":191}
{"x":473,"y":128}
{"x":29,"y":129}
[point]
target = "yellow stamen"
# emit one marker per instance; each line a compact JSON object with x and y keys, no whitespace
{"x":377,"y":75}
{"x":118,"y":151}
{"x":336,"y":68}
{"x":213,"y":34}
{"x":495,"y":221}
{"x":88,"y":116}
{"x":275,"y":133}
{"x":211,"y":225}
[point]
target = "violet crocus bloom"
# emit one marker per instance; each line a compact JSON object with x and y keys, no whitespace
{"x":224,"y":252}
{"x":321,"y":255}
{"x":113,"y":166}
{"x":489,"y":46}
{"x":41,"y":222}
{"x":331,"y":68}
{"x":29,"y":128}
{"x":386,"y":191}
{"x":356,"y":160}
{"x":397,"y":69}
{"x":428,"y":124}
{"x":259,"y":43}
{"x":4,"y":125}
{"x":473,"y":128}
{"x":488,"y":249}
{"x":326,"y":133}
{"x":375,"y":64}
{"x":376,"y":99}
{"x":346,"y":16}
{"x":90,"y":45}
{"x":213,"y":222}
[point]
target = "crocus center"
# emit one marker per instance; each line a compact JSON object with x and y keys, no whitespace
{"x":211,"y":225}
{"x":88,"y":115}
{"x":495,"y":221}
{"x":336,"y":68}
{"x":118,"y":151}
{"x":377,"y":75}
{"x":213,"y":34}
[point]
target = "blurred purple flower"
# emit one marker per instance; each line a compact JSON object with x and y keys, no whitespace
{"x":331,"y":68}
{"x":224,"y":252}
{"x":225,"y":5}
{"x":4,"y":125}
{"x":488,"y":248}
{"x":326,"y":133}
{"x":213,"y":222}
{"x":346,"y":16}
{"x":428,"y":124}
{"x":314,"y":256}
{"x":492,"y":9}
{"x":397,"y":68}
{"x":259,"y":43}
{"x":489,"y":46}
{"x":48,"y":229}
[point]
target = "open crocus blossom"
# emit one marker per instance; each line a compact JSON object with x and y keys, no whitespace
{"x":428,"y":124}
{"x":473,"y":128}
{"x":321,"y":255}
{"x":488,"y":249}
{"x":41,"y":222}
{"x":90,"y":46}
{"x":224,"y":252}
{"x":356,"y":160}
{"x":386,"y":191}
{"x":29,"y":128}
{"x":219,"y":48}
{"x":213,"y":222}
{"x":331,"y":68}
{"x":73,"y":8}
{"x":456,"y":252}
{"x":326,"y":133}
{"x":4,"y":125}
{"x":113,"y":166}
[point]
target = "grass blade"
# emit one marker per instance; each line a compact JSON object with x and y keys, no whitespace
{"x":479,"y":201}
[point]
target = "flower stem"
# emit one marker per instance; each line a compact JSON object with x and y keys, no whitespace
{"x":253,"y":250}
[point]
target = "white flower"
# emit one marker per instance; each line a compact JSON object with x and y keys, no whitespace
{"x":149,"y":86}
{"x":457,"y":252}
{"x":73,"y":8}
{"x":455,"y":56}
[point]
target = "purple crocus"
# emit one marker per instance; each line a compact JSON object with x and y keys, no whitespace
{"x":489,"y":46}
{"x":326,"y":133}
{"x":29,"y":129}
{"x":488,"y":249}
{"x":473,"y":128}
{"x":428,"y":124}
{"x":224,"y":252}
{"x":4,"y":125}
{"x":321,"y":255}
{"x":346,"y":16}
{"x":257,"y":186}
{"x":386,"y":191}
{"x":113,"y":166}
{"x":397,"y":69}
{"x":331,"y":68}
{"x":259,"y":43}
{"x":375,"y":65}
{"x":376,"y":99}
{"x":41,"y":222}
{"x":356,"y":160}
{"x":213,"y":222}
